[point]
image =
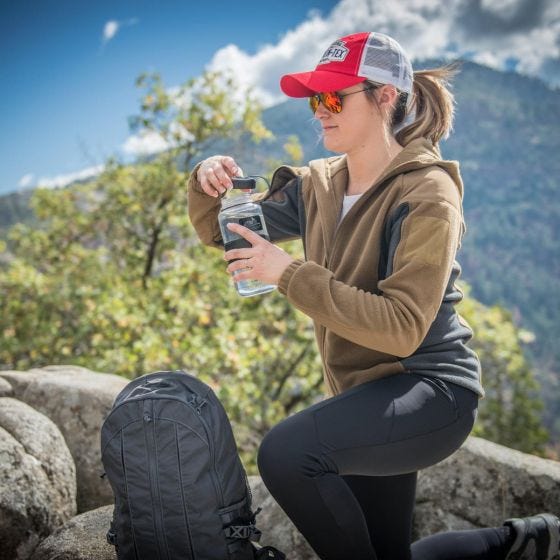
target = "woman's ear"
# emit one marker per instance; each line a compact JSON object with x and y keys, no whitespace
{"x":387,"y":95}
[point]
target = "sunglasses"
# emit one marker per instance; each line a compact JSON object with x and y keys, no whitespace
{"x":332,"y":100}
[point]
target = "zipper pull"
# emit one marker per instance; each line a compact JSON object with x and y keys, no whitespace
{"x":198,"y":402}
{"x":147,"y":415}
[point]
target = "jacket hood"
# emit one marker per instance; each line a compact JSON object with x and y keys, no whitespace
{"x":421,"y":153}
{"x":330,"y":175}
{"x":418,"y":154}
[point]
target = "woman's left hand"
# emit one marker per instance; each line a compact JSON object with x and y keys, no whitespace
{"x":263,"y":261}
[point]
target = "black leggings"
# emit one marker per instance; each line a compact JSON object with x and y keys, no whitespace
{"x":344,"y":470}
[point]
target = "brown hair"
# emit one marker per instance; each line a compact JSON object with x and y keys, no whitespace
{"x":434,"y":105}
{"x":432,"y":102}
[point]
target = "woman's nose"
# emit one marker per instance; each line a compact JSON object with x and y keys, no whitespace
{"x":321,"y":111}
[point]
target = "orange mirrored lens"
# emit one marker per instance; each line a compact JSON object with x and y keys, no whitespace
{"x":329,"y":99}
{"x":332,"y":101}
{"x":314,"y":103}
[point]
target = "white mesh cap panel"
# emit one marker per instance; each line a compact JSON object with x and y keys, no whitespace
{"x":384,"y":61}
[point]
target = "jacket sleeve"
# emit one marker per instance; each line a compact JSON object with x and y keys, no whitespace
{"x":203,"y":212}
{"x":396,"y":318}
{"x":282,"y":207}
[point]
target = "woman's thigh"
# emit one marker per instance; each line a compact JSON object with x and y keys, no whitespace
{"x":395,"y":425}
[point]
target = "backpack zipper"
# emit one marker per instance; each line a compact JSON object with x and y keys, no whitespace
{"x":197,"y":402}
{"x":150,"y":432}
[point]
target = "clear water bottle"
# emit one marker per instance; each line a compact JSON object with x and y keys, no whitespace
{"x":240,"y":209}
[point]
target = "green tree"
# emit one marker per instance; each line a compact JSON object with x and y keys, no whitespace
{"x":192,"y":117}
{"x":115,"y":280}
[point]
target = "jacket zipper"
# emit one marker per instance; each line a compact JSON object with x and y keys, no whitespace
{"x":380,"y":188}
{"x":323,"y":344}
{"x":156,"y":498}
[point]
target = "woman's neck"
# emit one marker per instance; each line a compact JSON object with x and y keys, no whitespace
{"x":366,"y":165}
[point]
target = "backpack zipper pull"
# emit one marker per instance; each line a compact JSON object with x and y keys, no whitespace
{"x":198,"y":402}
{"x":148,"y":408}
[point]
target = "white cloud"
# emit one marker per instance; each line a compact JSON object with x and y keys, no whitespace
{"x":149,"y":142}
{"x":112,"y":27}
{"x":489,"y":32}
{"x":145,"y":143}
{"x":63,"y":180}
{"x":26,"y":180}
{"x":110,"y":30}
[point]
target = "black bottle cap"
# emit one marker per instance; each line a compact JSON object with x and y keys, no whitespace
{"x":243,"y":182}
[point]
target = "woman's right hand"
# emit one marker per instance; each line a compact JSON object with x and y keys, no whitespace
{"x":214,"y":174}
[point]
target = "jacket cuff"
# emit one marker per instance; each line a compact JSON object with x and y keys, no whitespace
{"x":203,"y":211}
{"x":192,"y":183}
{"x":284,"y":282}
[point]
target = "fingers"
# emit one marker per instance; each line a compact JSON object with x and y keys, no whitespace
{"x":214,"y":174}
{"x":239,"y":265}
{"x":231,"y":166}
{"x":262,"y":261}
{"x":240,"y":259}
{"x":213,"y":178}
{"x":253,"y":238}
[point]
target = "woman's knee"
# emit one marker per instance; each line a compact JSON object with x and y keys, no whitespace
{"x":289,"y":450}
{"x":268,"y":451}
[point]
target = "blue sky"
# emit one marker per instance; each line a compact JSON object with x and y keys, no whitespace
{"x":66,"y":93}
{"x":67,"y":68}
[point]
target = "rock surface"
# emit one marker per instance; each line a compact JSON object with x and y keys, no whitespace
{"x":482,"y":484}
{"x":479,"y":486}
{"x":277,"y":529}
{"x":37,"y":479}
{"x":77,"y":400}
{"x":5,"y":388}
{"x":82,"y":538}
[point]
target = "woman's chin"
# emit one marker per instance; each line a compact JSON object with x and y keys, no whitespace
{"x":331,"y":146}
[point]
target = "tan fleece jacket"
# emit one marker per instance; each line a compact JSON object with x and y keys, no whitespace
{"x":375,"y":283}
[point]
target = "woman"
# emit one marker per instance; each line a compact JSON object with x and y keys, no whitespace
{"x":381,"y":225}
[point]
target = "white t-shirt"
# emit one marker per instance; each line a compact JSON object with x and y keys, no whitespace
{"x":347,"y":203}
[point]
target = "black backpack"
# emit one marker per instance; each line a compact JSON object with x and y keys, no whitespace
{"x":181,"y":492}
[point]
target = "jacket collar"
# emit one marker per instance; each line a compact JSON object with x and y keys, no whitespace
{"x":329,"y":178}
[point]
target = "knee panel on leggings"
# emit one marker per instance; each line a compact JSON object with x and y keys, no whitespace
{"x":291,"y":449}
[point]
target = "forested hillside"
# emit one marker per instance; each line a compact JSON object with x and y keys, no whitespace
{"x":14,"y":208}
{"x":508,"y":140}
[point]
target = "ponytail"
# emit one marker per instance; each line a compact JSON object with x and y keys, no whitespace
{"x":432,"y":106}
